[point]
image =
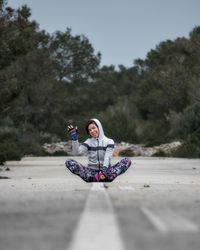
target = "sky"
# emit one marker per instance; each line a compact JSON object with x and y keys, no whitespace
{"x":121,"y":30}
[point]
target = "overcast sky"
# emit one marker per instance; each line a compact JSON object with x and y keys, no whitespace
{"x":122,"y":30}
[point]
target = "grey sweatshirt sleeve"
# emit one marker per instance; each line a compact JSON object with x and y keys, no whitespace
{"x":79,"y":149}
{"x":108,"y":154}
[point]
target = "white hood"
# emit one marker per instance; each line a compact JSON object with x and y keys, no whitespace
{"x":101,"y":132}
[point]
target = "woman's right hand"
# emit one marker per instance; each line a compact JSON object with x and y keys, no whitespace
{"x":73,"y":132}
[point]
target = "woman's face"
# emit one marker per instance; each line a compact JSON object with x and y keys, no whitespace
{"x":93,"y":130}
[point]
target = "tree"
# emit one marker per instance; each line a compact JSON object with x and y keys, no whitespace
{"x":18,"y":35}
{"x":74,"y":57}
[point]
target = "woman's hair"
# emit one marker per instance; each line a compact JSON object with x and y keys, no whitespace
{"x":87,"y":125}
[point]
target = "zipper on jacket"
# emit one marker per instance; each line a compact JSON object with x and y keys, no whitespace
{"x":98,"y":153}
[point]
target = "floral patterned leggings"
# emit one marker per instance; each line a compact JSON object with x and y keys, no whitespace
{"x":90,"y":175}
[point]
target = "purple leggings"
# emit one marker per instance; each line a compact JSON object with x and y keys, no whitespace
{"x":89,"y":174}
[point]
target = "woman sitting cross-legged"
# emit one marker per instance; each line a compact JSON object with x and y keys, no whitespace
{"x":99,"y":149}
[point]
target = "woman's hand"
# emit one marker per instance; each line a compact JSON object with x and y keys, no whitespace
{"x":73,"y":132}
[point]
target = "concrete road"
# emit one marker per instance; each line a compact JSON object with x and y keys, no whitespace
{"x":154,"y":205}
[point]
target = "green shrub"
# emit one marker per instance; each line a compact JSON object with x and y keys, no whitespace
{"x":187,"y":122}
{"x":154,"y":133}
{"x":126,"y":152}
{"x":160,"y":153}
{"x":57,"y":153}
{"x":17,"y":142}
{"x":9,"y":151}
{"x":32,"y":148}
{"x":190,"y":148}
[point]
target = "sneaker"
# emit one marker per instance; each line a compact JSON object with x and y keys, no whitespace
{"x":100,"y":176}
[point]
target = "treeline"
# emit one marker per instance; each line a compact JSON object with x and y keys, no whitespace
{"x":48,"y":81}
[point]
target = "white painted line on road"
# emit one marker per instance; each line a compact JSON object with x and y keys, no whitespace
{"x":97,"y":228}
{"x":170,"y":222}
{"x":155,"y":220}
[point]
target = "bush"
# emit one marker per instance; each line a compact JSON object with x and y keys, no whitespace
{"x":57,"y":153}
{"x":17,"y":142}
{"x":154,"y":133}
{"x":186,"y":122}
{"x":32,"y":148}
{"x":119,"y":127}
{"x":9,"y":151}
{"x":126,"y":152}
{"x":190,"y":148}
{"x":160,"y":153}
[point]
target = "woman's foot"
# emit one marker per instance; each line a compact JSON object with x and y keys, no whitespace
{"x":100,"y":176}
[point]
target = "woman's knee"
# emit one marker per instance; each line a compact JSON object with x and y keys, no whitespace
{"x":71,"y":162}
{"x":126,"y":161}
{"x":68,"y":163}
{"x":71,"y":165}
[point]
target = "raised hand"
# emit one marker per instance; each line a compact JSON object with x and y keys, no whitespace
{"x":73,"y":132}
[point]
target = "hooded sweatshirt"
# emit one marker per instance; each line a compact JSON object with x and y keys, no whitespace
{"x":99,"y":150}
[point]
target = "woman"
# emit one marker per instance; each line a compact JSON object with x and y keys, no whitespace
{"x":99,"y":149}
